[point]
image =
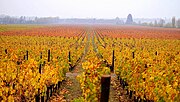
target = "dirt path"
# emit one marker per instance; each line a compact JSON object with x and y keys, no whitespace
{"x":72,"y":85}
{"x":113,"y":94}
{"x":117,"y":94}
{"x":70,"y":88}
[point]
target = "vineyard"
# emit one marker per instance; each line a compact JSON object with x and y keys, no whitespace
{"x":35,"y":62}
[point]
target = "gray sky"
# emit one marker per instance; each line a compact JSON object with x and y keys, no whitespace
{"x":92,"y":8}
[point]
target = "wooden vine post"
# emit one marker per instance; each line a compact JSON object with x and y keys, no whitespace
{"x":105,"y":88}
{"x":133,"y":55}
{"x":48,"y":92}
{"x":156,"y":53}
{"x":5,"y":51}
{"x":69,"y":59}
{"x":48,"y":55}
{"x":26,"y":55}
{"x":38,"y":95}
{"x":69,"y":56}
{"x":112,"y":66}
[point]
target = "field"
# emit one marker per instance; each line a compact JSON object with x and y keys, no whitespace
{"x":38,"y":62}
{"x":10,"y":27}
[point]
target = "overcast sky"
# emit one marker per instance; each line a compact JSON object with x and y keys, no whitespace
{"x":92,"y":8}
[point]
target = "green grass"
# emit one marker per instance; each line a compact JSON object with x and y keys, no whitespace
{"x":10,"y":27}
{"x":79,"y":99}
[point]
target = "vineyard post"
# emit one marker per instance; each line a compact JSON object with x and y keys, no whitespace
{"x":42,"y":98}
{"x":112,"y":67}
{"x":69,"y":56}
{"x":105,"y":87}
{"x":156,"y":53}
{"x":40,"y":68}
{"x":38,"y":96}
{"x":59,"y":84}
{"x":47,"y":93}
{"x":130,"y":94}
{"x":5,"y":51}
{"x":51,"y":90}
{"x":133,"y":55}
{"x":48,"y":55}
{"x":26,"y":55}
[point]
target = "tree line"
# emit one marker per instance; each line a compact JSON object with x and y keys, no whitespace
{"x":175,"y":23}
{"x":161,"y":23}
{"x":28,"y":20}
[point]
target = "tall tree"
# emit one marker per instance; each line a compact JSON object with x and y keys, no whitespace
{"x":155,"y":23}
{"x":129,"y":19}
{"x":173,"y":22}
{"x":178,"y":23}
{"x":161,"y":22}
